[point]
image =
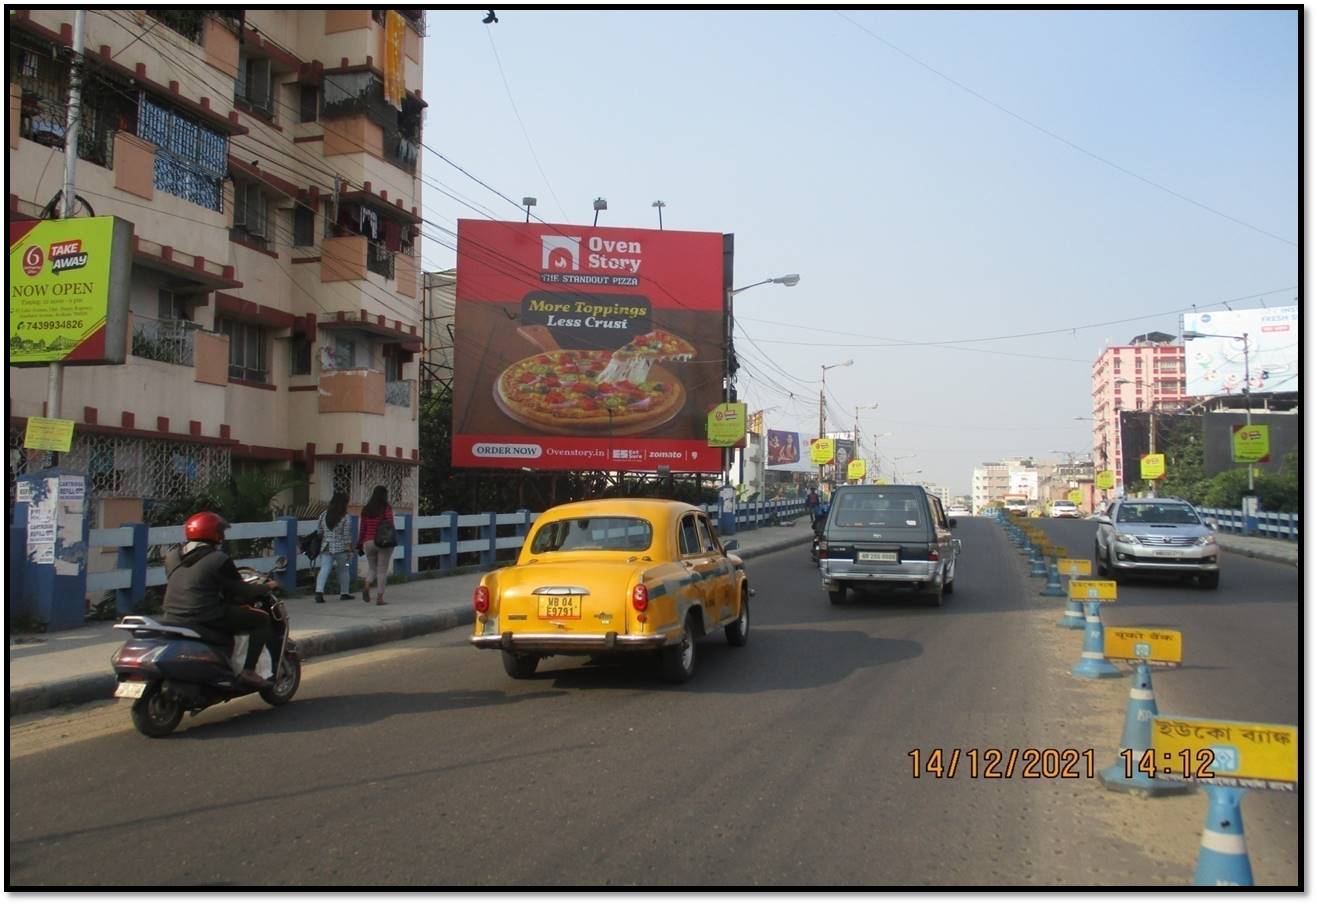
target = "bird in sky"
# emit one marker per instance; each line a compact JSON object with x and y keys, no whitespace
{"x":490,"y":18}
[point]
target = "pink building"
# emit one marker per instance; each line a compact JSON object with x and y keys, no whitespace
{"x":1145,"y":375}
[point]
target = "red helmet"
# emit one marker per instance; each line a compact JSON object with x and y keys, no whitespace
{"x":207,"y":526}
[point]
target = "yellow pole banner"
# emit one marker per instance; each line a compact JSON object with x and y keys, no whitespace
{"x":1152,"y":467}
{"x":1155,"y":646}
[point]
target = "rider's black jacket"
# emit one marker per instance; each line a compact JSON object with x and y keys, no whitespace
{"x":203,"y":583}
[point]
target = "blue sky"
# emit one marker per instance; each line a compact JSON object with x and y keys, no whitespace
{"x":913,"y":210}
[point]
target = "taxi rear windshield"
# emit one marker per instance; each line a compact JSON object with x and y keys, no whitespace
{"x":594,"y":533}
{"x":878,"y":509}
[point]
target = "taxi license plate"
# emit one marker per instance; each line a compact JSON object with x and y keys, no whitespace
{"x":130,"y":689}
{"x":552,"y":606}
{"x":872,"y":556}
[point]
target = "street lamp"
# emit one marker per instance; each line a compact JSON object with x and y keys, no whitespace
{"x":729,"y":324}
{"x":1248,"y":408}
{"x":823,"y":388}
{"x":660,"y":205}
{"x":600,"y":204}
{"x":528,"y":202}
{"x":896,"y":459}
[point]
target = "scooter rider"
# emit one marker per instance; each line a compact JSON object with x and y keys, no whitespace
{"x":205,"y":588}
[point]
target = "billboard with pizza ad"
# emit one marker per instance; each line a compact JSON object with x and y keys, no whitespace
{"x":581,"y":347}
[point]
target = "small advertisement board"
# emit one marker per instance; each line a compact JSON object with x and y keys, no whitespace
{"x":1226,"y":753}
{"x":1154,"y":646}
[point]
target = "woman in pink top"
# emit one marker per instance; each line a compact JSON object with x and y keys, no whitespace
{"x":378,"y":559}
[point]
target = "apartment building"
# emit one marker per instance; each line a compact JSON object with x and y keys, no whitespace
{"x":1146,"y":374}
{"x":268,"y":160}
{"x":440,"y":301}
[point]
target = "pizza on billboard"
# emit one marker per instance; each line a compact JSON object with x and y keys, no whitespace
{"x":586,"y":347}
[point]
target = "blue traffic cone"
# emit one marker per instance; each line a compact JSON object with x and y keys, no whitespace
{"x":1137,"y":737}
{"x":1093,"y":662}
{"x":1222,"y":855}
{"x":1074,"y":615}
{"x":1053,"y":587}
{"x":1036,"y":567}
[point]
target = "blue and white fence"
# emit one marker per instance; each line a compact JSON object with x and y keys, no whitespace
{"x":1284,"y":525}
{"x":493,"y":531}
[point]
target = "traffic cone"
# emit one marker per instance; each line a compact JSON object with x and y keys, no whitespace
{"x":1137,"y":737}
{"x":1036,"y":567}
{"x":1093,"y":662}
{"x":1074,"y":615}
{"x":1053,"y":587}
{"x":1222,"y":855}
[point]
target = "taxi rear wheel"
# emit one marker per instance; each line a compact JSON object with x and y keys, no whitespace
{"x":677,"y":661}
{"x":520,"y":666}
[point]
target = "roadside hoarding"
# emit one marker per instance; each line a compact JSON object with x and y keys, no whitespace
{"x":1024,"y":483}
{"x":822,"y":450}
{"x":1105,"y":480}
{"x":1214,"y":366}
{"x":855,"y":471}
{"x":783,"y":448}
{"x":68,"y":291}
{"x":581,"y":347}
{"x":1152,"y":467}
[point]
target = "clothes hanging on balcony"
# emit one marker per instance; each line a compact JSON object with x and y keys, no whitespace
{"x":393,"y":235}
{"x":370,"y":224}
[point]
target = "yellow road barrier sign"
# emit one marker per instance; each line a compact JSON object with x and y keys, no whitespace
{"x":1154,"y":646}
{"x":1093,"y":590}
{"x":1225,"y":753}
{"x":1074,"y":568}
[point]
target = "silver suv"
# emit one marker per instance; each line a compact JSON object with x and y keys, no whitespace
{"x":1163,"y":535}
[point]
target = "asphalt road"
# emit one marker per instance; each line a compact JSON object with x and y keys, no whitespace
{"x":783,"y":763}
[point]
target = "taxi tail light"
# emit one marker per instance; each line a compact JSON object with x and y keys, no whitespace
{"x":640,"y":598}
{"x":480,"y":600}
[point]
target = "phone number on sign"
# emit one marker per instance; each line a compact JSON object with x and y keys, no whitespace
{"x":48,"y":325}
{"x":1003,"y":763}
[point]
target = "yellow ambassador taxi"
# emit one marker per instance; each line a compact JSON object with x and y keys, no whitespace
{"x":614,"y":575}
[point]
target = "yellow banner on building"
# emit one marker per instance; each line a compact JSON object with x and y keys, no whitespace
{"x":1157,"y":646}
{"x":1093,"y":590}
{"x":1226,"y":753}
{"x":55,"y":434}
{"x":395,"y":80}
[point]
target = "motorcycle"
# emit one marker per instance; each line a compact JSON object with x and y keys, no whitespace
{"x":166,"y":669}
{"x":818,"y":533}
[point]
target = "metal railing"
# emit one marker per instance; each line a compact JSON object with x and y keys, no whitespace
{"x":172,"y":341}
{"x":379,"y":260}
{"x":398,"y":392}
{"x":187,"y":22}
{"x":1283,"y":525}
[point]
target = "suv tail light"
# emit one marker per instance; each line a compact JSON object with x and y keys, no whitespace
{"x":480,"y":600}
{"x":640,"y":598}
{"x":933,"y":556}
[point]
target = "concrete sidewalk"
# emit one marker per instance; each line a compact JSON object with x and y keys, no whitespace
{"x":73,"y":667}
{"x":1268,"y":548}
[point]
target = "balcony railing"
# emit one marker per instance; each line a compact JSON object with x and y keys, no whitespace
{"x":398,"y":392}
{"x":172,"y":342}
{"x":379,"y":260}
{"x":187,"y":22}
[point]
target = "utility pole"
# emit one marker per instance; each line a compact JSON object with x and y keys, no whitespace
{"x":72,"y":128}
{"x":822,"y":404}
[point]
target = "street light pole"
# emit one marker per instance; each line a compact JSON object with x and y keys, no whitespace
{"x":729,"y":328}
{"x":823,"y":389}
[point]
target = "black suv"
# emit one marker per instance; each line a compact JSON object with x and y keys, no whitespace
{"x":881,"y":535}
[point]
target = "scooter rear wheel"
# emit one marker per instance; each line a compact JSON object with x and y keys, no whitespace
{"x":286,"y":682}
{"x":156,"y":714}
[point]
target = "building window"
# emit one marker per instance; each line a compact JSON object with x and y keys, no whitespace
{"x":191,"y":161}
{"x":187,"y":22}
{"x":247,"y":343}
{"x":299,"y":356}
{"x":304,"y":225}
{"x":308,"y":107}
{"x":253,"y":88}
{"x":251,"y":214}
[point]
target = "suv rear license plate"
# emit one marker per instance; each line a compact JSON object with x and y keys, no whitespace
{"x":130,"y":689}
{"x":555,"y":607}
{"x":875,"y":556}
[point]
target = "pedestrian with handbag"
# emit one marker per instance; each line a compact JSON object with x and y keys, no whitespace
{"x":376,"y":539}
{"x":335,"y":546}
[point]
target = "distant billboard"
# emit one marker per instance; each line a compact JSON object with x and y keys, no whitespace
{"x":783,"y":448}
{"x":583,"y":347}
{"x":1214,"y":366}
{"x":1025,"y":483}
